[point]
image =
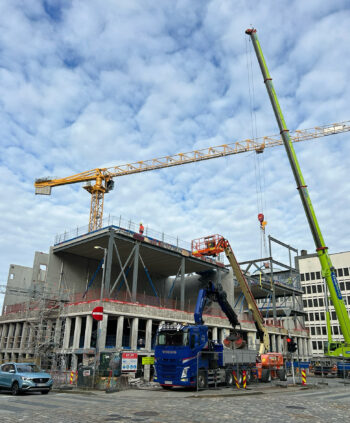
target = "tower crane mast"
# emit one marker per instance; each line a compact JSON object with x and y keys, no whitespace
{"x":100,"y":180}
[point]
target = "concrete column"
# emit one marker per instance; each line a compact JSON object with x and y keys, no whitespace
{"x":279,"y":344}
{"x":148,"y":340}
{"x":5,"y":330}
{"x":58,"y":330}
{"x":135,"y":272}
{"x":273,"y":343}
{"x":215,"y":334}
{"x":109,"y":260}
{"x":102,"y":332}
{"x":88,"y":331}
{"x":77,"y":331}
{"x":119,"y":335}
{"x":300,"y":346}
{"x":182,"y":285}
{"x":311,"y":351}
{"x":10,"y":336}
{"x":67,"y":329}
{"x":251,"y":340}
{"x":16,"y":339}
{"x":134,"y":333}
{"x":223,"y":334}
{"x":24,"y":336}
{"x":74,"y":362}
{"x":31,"y":337}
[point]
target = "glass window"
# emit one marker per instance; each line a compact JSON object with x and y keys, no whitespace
{"x":314,"y":345}
{"x":313,"y":332}
{"x":304,"y":303}
{"x":324,"y":330}
{"x":348,"y":286}
{"x":312,"y":274}
{"x":319,"y":288}
{"x":308,"y":289}
{"x":318,"y":330}
{"x":335,"y":330}
{"x":315,"y":302}
{"x":314,"y":289}
{"x":322,"y":315}
{"x":317,"y":316}
{"x":346,"y":271}
{"x":309,"y":303}
{"x":320,"y":302}
{"x":177,"y":338}
{"x":28,"y":368}
{"x":318,"y":275}
{"x":302,"y":277}
{"x":334,"y":315}
{"x":306,"y":318}
{"x":311,"y":317}
{"x":342,"y":286}
{"x":307,"y":276}
{"x":340,"y":272}
{"x":319,"y":344}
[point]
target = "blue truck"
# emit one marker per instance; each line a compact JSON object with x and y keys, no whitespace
{"x":184,"y":356}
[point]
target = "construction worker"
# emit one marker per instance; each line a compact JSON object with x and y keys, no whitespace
{"x":141,"y":229}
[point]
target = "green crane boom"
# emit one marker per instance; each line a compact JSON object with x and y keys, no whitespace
{"x":328,"y":271}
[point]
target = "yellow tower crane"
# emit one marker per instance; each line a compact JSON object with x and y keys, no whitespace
{"x":100,"y":180}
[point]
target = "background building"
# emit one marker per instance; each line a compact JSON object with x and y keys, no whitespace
{"x":314,"y":296}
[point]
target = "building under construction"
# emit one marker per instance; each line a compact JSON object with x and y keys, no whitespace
{"x":141,"y":281}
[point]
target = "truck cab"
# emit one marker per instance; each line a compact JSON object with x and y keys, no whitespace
{"x":180,"y":351}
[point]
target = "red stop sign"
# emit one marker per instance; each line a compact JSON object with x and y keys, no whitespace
{"x":97,"y":313}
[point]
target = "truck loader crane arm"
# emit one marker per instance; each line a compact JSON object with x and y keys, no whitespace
{"x":258,"y":318}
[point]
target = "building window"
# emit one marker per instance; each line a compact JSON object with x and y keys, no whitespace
{"x":302,"y":277}
{"x":320,"y":302}
{"x":342,"y":286}
{"x":315,"y":302}
{"x":12,"y":275}
{"x":322,"y":315}
{"x":310,"y":303}
{"x":312,"y":274}
{"x":335,"y":330}
{"x":313,"y":332}
{"x":318,"y":330}
{"x":340,"y":272}
{"x":334,"y":315}
{"x":314,"y":345}
{"x":319,"y":288}
{"x":324,"y":330}
{"x":318,"y":275}
{"x":304,"y":303}
{"x":306,"y":318}
{"x":348,"y":286}
{"x":311,"y":317}
{"x":346,"y":271}
{"x":317,"y":316}
{"x":319,"y":344}
{"x":307,"y":276}
{"x":308,"y":289}
{"x":314,"y":289}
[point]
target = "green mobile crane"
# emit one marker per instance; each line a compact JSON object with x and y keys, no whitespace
{"x":332,"y":349}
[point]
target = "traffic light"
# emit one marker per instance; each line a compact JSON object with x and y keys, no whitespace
{"x":291,"y":345}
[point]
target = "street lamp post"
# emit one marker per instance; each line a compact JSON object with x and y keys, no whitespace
{"x":97,"y":354}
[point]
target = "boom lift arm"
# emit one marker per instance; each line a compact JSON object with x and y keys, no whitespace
{"x":328,"y":271}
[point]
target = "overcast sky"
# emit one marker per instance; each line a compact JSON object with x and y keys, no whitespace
{"x":86,"y":84}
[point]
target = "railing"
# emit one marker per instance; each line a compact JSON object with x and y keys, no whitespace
{"x":128,"y":225}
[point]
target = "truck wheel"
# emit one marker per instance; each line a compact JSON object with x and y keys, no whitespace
{"x":229,"y":378}
{"x":282,"y":375}
{"x":166,"y":387}
{"x":15,"y":388}
{"x":202,"y":380}
{"x":265,"y":375}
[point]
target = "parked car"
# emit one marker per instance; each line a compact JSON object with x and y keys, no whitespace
{"x":24,"y":377}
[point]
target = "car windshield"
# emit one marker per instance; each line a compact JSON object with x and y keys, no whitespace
{"x":28,"y":368}
{"x":176,"y":338}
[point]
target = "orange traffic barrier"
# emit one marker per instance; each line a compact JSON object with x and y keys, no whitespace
{"x":235,"y":379}
{"x":244,"y":379}
{"x":303,"y":377}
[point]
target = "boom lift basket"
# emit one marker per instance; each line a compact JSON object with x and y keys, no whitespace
{"x":207,"y":246}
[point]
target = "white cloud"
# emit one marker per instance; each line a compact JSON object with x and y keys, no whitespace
{"x":87,"y":85}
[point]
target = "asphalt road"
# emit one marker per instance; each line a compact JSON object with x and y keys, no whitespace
{"x":320,"y":403}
